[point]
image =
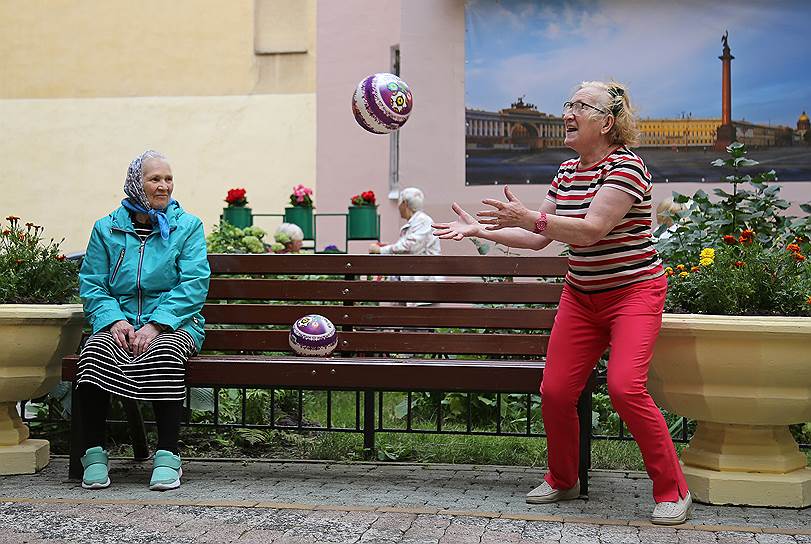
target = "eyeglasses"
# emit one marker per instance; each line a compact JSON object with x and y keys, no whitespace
{"x":577,"y":108}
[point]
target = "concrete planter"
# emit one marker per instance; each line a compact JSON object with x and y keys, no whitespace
{"x":34,"y":338}
{"x":744,"y":380}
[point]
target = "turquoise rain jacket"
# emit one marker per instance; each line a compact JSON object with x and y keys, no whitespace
{"x":162,"y":281}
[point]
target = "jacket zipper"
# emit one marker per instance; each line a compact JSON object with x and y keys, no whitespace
{"x":138,"y":280}
{"x":140,"y":265}
{"x":118,"y":265}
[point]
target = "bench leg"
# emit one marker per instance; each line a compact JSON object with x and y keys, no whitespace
{"x":135,"y":421}
{"x":75,"y":470}
{"x":368,"y":424}
{"x":584,"y":408}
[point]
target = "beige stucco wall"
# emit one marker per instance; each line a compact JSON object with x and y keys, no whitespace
{"x":225,"y":89}
{"x":65,"y":48}
{"x":63,"y":161}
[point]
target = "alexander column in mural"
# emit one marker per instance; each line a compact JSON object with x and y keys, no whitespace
{"x":726,"y":132}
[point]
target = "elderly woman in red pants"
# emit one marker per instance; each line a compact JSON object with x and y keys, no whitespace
{"x":599,"y":204}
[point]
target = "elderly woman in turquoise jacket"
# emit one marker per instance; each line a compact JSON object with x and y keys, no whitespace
{"x":143,"y":282}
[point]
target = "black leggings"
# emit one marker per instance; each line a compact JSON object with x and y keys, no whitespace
{"x":96,"y":403}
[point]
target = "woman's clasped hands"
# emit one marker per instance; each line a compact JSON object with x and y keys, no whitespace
{"x":135,"y":342}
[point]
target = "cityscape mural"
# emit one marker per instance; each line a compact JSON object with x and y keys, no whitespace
{"x":524,"y":59}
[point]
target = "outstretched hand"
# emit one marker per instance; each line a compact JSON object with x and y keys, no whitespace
{"x":465,"y":226}
{"x":512,"y":213}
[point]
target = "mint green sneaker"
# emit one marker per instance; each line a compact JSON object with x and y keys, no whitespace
{"x":166,"y":471}
{"x":95,"y":461}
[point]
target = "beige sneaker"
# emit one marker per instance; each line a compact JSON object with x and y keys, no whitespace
{"x":545,"y":493}
{"x":673,"y":513}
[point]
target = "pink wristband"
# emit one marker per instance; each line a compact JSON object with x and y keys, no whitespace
{"x":540,"y":223}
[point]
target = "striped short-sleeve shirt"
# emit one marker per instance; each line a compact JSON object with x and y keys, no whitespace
{"x":625,"y":255}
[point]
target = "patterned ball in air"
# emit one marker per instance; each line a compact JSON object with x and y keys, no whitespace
{"x":382,"y":103}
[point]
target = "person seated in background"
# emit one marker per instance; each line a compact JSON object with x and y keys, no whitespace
{"x":143,"y":282}
{"x":288,"y":239}
{"x":416,"y":236}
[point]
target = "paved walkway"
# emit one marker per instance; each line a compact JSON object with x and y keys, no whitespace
{"x":314,"y":502}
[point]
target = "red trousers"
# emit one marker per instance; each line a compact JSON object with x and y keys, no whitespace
{"x":627,"y":320}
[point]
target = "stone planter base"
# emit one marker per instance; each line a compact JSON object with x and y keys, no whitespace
{"x":791,"y":490}
{"x":744,"y":448}
{"x":27,"y":457}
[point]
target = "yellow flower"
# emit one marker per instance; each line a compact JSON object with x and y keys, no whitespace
{"x":706,"y":261}
{"x":668,"y":271}
{"x":707,"y":253}
{"x":684,"y":274}
{"x":680,"y":267}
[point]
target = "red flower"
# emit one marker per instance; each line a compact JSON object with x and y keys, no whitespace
{"x":6,"y":232}
{"x":12,"y":218}
{"x":799,"y":257}
{"x":808,"y":301}
{"x":747,"y":236}
{"x":740,"y":264}
{"x":60,"y":258}
{"x":236,"y":197}
{"x":695,"y":269}
{"x":19,"y":261}
{"x":366,"y":198}
{"x":730,"y":240}
{"x":794,"y":248}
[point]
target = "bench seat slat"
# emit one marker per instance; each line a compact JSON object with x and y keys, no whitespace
{"x":386,"y":291}
{"x":391,"y":265}
{"x":357,"y":373}
{"x":381,"y":316}
{"x":531,"y":345}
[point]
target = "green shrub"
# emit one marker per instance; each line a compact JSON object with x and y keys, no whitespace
{"x":33,"y":271}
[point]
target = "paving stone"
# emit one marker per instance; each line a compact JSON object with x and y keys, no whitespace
{"x":218,"y":499}
{"x":765,"y":538}
{"x":687,"y":536}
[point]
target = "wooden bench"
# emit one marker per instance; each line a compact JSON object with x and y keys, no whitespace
{"x":513,"y":341}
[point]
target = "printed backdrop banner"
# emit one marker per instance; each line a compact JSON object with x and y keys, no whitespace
{"x":524,"y":59}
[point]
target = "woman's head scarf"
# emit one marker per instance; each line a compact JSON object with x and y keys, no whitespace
{"x":136,"y":200}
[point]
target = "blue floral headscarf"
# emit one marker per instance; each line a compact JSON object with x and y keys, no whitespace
{"x":136,"y":200}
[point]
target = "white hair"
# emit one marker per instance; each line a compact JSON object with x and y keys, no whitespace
{"x":291,"y":230}
{"x":151,"y":154}
{"x":413,"y":198}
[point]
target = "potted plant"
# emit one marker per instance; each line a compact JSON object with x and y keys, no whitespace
{"x":237,"y":213}
{"x":733,"y":352}
{"x":39,"y":324}
{"x":362,"y":219}
{"x":300,"y":211}
{"x":226,"y":238}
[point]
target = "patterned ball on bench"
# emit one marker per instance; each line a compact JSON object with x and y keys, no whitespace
{"x":313,"y":336}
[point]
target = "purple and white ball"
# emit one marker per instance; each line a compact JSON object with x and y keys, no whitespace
{"x":382,"y":103}
{"x":313,"y":336}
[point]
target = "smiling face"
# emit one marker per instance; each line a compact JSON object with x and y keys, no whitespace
{"x":158,"y":183}
{"x":586,"y":128}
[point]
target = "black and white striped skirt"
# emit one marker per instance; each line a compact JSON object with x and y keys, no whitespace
{"x":157,"y":374}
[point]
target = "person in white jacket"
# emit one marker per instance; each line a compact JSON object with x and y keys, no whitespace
{"x":416,"y":236}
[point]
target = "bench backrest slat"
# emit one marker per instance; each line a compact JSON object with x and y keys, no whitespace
{"x":386,"y":291}
{"x":386,"y":342}
{"x":391,"y":265}
{"x":379,"y":316}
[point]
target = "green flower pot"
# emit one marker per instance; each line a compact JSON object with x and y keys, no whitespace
{"x":301,"y":216}
{"x":239,"y":216}
{"x":363,"y":223}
